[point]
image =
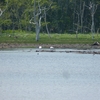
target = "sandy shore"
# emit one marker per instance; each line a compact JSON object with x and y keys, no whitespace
{"x":62,"y":46}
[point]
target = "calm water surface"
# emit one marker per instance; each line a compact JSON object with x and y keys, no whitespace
{"x":28,"y":75}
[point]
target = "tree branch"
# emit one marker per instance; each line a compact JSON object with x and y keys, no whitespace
{"x":1,"y":12}
{"x":31,"y":21}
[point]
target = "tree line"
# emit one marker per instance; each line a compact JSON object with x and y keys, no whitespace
{"x":71,"y":16}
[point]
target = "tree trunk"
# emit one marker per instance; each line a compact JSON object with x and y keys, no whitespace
{"x":37,"y":28}
{"x":82,"y":15}
{"x":93,"y":8}
{"x":78,"y":24}
{"x":46,"y":23}
{"x":92,"y":27}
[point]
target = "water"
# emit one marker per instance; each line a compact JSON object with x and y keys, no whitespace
{"x":28,"y":75}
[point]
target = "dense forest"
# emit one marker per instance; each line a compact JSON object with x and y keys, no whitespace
{"x":57,"y":16}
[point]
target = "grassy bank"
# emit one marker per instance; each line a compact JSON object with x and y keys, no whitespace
{"x":25,"y":37}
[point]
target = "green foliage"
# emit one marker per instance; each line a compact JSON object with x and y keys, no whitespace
{"x":62,"y":15}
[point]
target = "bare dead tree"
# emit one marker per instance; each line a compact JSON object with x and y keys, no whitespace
{"x":45,"y":19}
{"x":79,"y":12}
{"x":38,"y":14}
{"x":76,"y":21}
{"x":36,"y":19}
{"x":82,"y":7}
{"x":92,"y":8}
{"x":78,"y":25}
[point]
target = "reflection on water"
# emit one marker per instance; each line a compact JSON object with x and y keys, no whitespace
{"x":28,"y":75}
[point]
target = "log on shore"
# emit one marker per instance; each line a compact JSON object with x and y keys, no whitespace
{"x":82,"y":52}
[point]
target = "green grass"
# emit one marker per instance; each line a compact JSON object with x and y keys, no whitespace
{"x":26,"y":37}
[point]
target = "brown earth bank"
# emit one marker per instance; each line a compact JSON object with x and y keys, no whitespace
{"x":61,"y":46}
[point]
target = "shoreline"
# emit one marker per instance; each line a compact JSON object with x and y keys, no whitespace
{"x":61,"y":46}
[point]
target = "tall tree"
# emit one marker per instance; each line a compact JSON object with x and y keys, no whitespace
{"x":92,"y":8}
{"x":38,"y":14}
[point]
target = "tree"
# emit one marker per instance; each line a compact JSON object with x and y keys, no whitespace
{"x":60,"y":17}
{"x":92,"y":8}
{"x":79,"y":8}
{"x":39,"y":13}
{"x":2,"y":11}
